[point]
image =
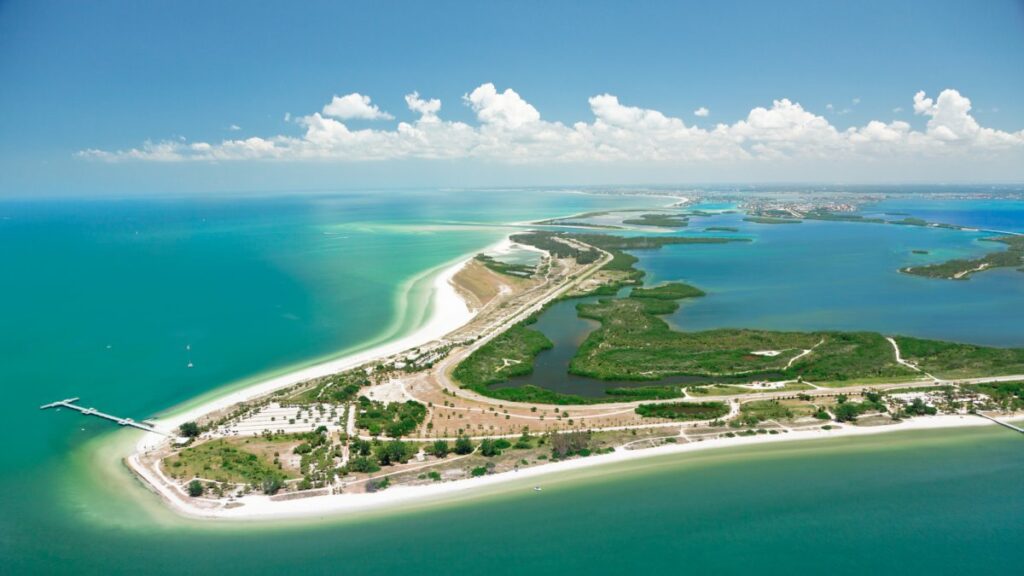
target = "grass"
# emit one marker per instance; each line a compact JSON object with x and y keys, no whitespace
{"x":684,"y":410}
{"x":509,"y":354}
{"x":954,"y":360}
{"x":752,"y":413}
{"x":334,"y":389}
{"x":222,"y":461}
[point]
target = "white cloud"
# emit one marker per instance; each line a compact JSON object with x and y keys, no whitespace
{"x":856,"y":101}
{"x":701,"y":112}
{"x":503,"y":110}
{"x":354,"y":106}
{"x":234,"y":127}
{"x":427,"y":109}
{"x":829,"y":107}
{"x":510,"y":130}
{"x":897,"y":110}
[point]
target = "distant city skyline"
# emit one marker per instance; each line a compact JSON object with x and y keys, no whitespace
{"x":189,"y":97}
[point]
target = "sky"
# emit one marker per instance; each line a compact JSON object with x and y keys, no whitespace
{"x":110,"y":98}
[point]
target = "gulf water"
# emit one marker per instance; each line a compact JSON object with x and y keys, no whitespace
{"x":100,"y":299}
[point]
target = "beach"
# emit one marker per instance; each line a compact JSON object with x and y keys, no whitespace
{"x":265,"y":508}
{"x":448,"y":311}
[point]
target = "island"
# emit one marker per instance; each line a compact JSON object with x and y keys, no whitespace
{"x":404,"y":422}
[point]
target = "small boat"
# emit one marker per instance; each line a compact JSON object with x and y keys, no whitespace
{"x":536,"y":488}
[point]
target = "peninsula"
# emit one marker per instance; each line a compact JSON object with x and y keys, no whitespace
{"x":424,"y":416}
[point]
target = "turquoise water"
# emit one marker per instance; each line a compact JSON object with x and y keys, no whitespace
{"x":836,"y":275}
{"x":100,"y":299}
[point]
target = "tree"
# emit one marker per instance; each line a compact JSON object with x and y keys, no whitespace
{"x":271,"y":485}
{"x":440,"y":448}
{"x":487,"y":448}
{"x":189,"y":429}
{"x":195,"y":488}
{"x":463,"y":445}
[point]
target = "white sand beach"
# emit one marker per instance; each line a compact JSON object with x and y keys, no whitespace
{"x":259,"y":507}
{"x":449,"y":311}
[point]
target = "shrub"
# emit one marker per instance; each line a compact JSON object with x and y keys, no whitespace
{"x":195,"y":488}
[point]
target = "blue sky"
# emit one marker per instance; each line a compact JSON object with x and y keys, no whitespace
{"x":111,"y":76}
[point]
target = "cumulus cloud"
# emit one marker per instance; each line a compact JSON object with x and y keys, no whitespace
{"x":701,"y":112}
{"x":427,"y":109}
{"x":501,"y":109}
{"x":508,"y":129}
{"x":354,"y":106}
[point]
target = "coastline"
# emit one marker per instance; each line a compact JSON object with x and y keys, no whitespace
{"x":263,"y":508}
{"x":445,"y":311}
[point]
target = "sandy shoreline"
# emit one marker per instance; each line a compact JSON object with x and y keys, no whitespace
{"x":449,"y":311}
{"x":258,"y":507}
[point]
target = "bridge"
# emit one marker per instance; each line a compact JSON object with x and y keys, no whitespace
{"x":70,"y":403}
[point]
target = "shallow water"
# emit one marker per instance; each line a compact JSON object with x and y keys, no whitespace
{"x":259,"y":285}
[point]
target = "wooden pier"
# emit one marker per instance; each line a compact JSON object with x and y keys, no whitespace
{"x":70,"y":403}
{"x":1001,"y":423}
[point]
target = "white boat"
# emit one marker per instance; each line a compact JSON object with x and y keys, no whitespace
{"x":536,"y":488}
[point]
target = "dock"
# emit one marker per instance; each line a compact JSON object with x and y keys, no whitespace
{"x":1001,"y":423}
{"x":70,"y":403}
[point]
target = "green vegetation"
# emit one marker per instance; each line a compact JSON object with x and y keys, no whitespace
{"x":189,"y":430}
{"x":909,"y":221}
{"x":721,"y":229}
{"x":846,"y":411}
{"x":554,"y":243}
{"x":222,"y":461}
{"x":336,"y":388}
{"x":509,"y":354}
{"x":961,"y":269}
{"x":463,"y":445}
{"x":753,"y":413}
{"x":919,"y":252}
{"x":726,"y":389}
{"x":393,"y":452}
{"x":195,"y":488}
{"x":954,"y":360}
{"x":821,"y":214}
{"x":771,"y":220}
{"x":684,"y":410}
{"x":517,"y":270}
{"x":919,"y":408}
{"x":1007,"y":395}
{"x":396,"y":419}
{"x":574,"y":443}
{"x":660,"y":220}
{"x":668,"y":291}
{"x":644,"y":393}
{"x":633,"y":344}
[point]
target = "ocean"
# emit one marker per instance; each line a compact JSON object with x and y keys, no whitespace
{"x":110,"y":300}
